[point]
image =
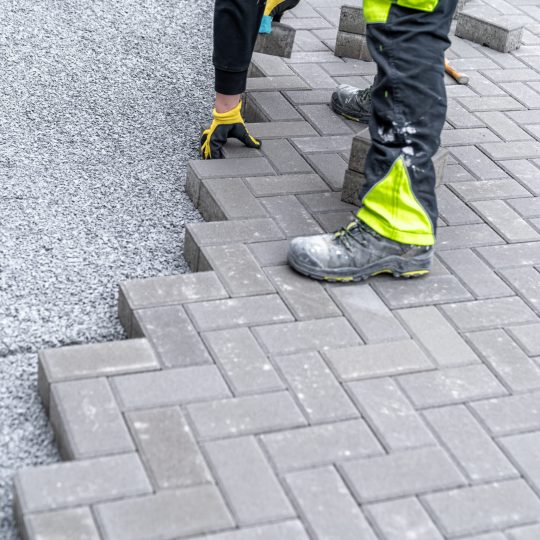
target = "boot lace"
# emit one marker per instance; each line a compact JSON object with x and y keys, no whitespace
{"x":354,"y":233}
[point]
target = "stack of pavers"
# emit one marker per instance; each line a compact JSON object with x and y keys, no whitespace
{"x":351,"y":37}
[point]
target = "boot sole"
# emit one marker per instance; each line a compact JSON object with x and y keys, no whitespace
{"x":398,"y":268}
{"x":338,"y":110}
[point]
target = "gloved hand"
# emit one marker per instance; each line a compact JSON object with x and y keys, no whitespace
{"x":273,"y":11}
{"x":225,"y":125}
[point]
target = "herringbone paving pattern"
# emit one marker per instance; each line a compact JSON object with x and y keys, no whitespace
{"x":252,"y":403}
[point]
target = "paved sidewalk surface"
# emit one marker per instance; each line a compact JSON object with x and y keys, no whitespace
{"x":255,"y":404}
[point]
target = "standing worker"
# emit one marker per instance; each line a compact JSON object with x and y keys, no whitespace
{"x":236,"y":26}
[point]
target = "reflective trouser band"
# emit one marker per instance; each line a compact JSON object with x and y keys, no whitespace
{"x":377,"y":11}
{"x":391,"y":208}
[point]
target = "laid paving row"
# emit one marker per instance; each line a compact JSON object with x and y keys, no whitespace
{"x":251,"y":403}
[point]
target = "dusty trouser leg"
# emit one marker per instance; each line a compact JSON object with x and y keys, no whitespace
{"x":408,"y":113}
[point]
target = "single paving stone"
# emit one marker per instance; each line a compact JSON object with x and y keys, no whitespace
{"x":247,"y":481}
{"x":453,"y":210}
{"x":270,"y":253}
{"x":246,"y":415}
{"x":333,"y":221}
{"x":323,"y":488}
{"x":306,"y":298}
{"x":489,"y":189}
{"x":503,"y":126}
{"x":279,"y":130}
{"x":230,"y":168}
{"x":284,"y":158}
{"x":270,"y":66}
{"x":528,"y":338}
{"x":325,"y":145}
{"x":529,"y":532}
{"x":526,"y":282}
{"x":479,"y":457}
{"x":522,"y":449}
{"x":61,"y":525}
{"x":248,"y":311}
{"x":512,"y":150}
{"x":459,"y":117}
{"x":291,"y":216}
{"x":86,"y":420}
{"x":349,"y":45}
{"x":78,"y":483}
{"x":238,"y":270}
{"x":305,"y":97}
{"x":401,"y":474}
{"x":390,"y":414}
{"x":486,"y":314}
{"x":505,"y":221}
{"x":290,"y":530}
{"x":331,"y":168}
{"x":300,"y":336}
{"x":224,"y":199}
{"x":523,"y":93}
{"x":169,"y":387}
{"x":324,"y":120}
{"x":377,"y":360}
{"x":484,"y":508}
{"x":477,"y":163}
{"x":242,"y":361}
{"x":430,"y":290}
{"x":511,"y":414}
{"x":475,"y":274}
{"x":352,"y":20}
{"x":524,"y":74}
{"x":94,"y":360}
{"x":287,"y":184}
{"x":269,"y":106}
{"x":488,"y":103}
{"x":172,"y":335}
{"x":168,"y":449}
{"x":437,"y":336}
{"x":325,"y":444}
{"x":314,"y":75}
{"x":367,"y":313}
{"x":317,"y":391}
{"x":463,"y":137}
{"x":157,"y":516}
{"x":403,"y":519}
{"x":448,"y":386}
{"x":508,"y":256}
{"x":466,"y":236}
{"x":273,"y":83}
{"x":525,"y":172}
{"x":507,"y":360}
{"x":326,"y":202}
{"x":527,"y":207}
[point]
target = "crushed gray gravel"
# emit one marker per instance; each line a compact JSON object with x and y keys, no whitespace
{"x":100,"y":107}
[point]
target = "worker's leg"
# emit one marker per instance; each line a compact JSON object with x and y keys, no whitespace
{"x":408,"y":114}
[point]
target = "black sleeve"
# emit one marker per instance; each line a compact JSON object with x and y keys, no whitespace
{"x":236,"y":26}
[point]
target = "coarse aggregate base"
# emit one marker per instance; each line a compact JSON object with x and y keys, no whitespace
{"x":100,"y":104}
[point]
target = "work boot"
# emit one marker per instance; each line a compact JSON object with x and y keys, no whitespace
{"x":357,"y":252}
{"x":352,"y":103}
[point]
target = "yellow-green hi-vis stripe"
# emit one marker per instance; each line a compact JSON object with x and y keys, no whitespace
{"x":377,"y":11}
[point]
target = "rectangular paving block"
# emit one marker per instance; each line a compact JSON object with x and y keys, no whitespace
{"x":306,"y":299}
{"x":224,"y":199}
{"x":328,"y":144}
{"x":390,"y":414}
{"x":166,"y":290}
{"x":487,"y":314}
{"x":489,"y":189}
{"x":401,"y":474}
{"x":169,"y":387}
{"x":168,"y":448}
{"x":269,"y":107}
{"x":437,"y":336}
{"x":518,"y":372}
{"x":157,"y":516}
{"x":508,"y":256}
{"x":315,"y":446}
{"x":511,"y":414}
{"x":522,"y":451}
{"x":277,"y":43}
{"x":290,"y":529}
{"x":312,"y":335}
{"x":94,"y":360}
{"x":79,"y":483}
{"x":481,"y":280}
{"x":377,"y":360}
{"x":269,"y":66}
{"x":352,"y":20}
{"x":528,"y":338}
{"x":87,"y":421}
{"x":359,"y":150}
{"x":479,"y":457}
{"x":477,"y":163}
{"x":246,"y":415}
{"x":349,"y":45}
{"x":286,"y":184}
{"x":242,"y":361}
{"x":484,"y":508}
{"x":452,"y":385}
{"x":331,"y":168}
{"x":172,"y":336}
{"x":237,"y":269}
{"x":528,"y":532}
{"x":277,"y":83}
{"x":367,"y":313}
{"x":270,"y":253}
{"x":61,"y":525}
{"x":246,"y":480}
{"x":284,"y":157}
{"x":403,"y":516}
{"x":324,"y":120}
{"x":280,"y":130}
{"x":453,"y":210}
{"x":498,"y":33}
{"x":245,"y":311}
{"x":316,"y":389}
{"x":323,"y":488}
{"x":525,"y":172}
{"x":466,"y":236}
{"x":526,"y":282}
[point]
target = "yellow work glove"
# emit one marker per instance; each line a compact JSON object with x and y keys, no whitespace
{"x":224,"y":126}
{"x":273,"y":11}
